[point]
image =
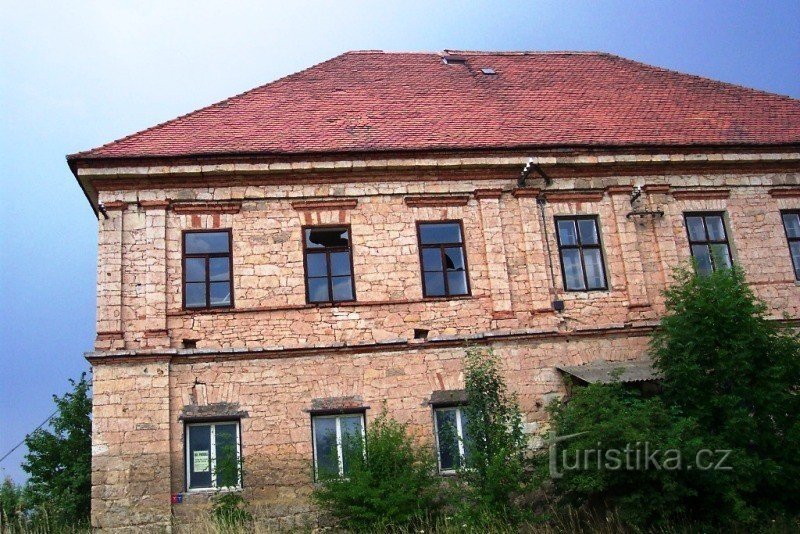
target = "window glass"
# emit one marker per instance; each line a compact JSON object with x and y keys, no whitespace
{"x":199,"y":456}
{"x":326,"y":453}
{"x":207,"y":242}
{"x":792,"y":223}
{"x":195,"y":269}
{"x":588,"y":231}
{"x":442,"y":249}
{"x":715,"y":227}
{"x":452,"y":437}
{"x":709,"y":246}
{"x":795,"y":250}
{"x":573,"y":270}
{"x":207,"y":280}
{"x":696,"y":230}
{"x":337,"y":441}
{"x":594,"y":268}
{"x":213,"y":457}
{"x":439,"y":233}
{"x":566,"y":232}
{"x":329,"y":266}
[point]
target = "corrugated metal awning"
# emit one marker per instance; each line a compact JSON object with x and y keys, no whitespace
{"x":605,"y":372}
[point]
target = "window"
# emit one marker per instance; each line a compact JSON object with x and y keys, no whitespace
{"x":336,"y":439}
{"x":444,"y":263}
{"x":581,"y":254}
{"x":791,"y":223}
{"x":329,"y":264}
{"x":451,"y":438}
{"x":207,"y":266}
{"x":708,"y":241}
{"x":213,"y":458}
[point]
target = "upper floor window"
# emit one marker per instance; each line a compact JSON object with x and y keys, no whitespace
{"x":336,"y":439}
{"x":444,"y":262}
{"x":452,"y":438}
{"x":708,"y":241}
{"x":581,"y":253}
{"x":791,"y":223}
{"x":213,"y":455}
{"x":329,"y":264}
{"x":207,"y":267}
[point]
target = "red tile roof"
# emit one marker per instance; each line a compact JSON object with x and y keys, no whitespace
{"x":378,"y":101}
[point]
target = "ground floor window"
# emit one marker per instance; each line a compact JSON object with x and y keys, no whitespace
{"x":213,"y":455}
{"x":336,"y":439}
{"x":451,"y":438}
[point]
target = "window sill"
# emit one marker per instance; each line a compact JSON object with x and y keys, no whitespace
{"x":230,"y":489}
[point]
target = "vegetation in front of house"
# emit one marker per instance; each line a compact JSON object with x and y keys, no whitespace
{"x":57,"y":496}
{"x":731,"y":383}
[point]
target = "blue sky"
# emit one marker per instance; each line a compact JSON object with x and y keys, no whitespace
{"x":77,"y":74}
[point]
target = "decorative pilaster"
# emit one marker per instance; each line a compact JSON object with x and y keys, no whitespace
{"x":109,"y":278}
{"x":496,"y":262}
{"x":537,"y":261}
{"x":636,"y":285}
{"x":155,"y":334}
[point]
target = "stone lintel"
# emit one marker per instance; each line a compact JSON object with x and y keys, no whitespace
{"x":435,"y":201}
{"x":320,"y":205}
{"x":701,"y":194}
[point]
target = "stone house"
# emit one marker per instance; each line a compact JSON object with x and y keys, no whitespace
{"x":275,"y":267}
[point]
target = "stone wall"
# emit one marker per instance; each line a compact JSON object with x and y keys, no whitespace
{"x":273,"y":353}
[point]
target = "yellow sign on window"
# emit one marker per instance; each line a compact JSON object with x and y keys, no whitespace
{"x":201,"y":461}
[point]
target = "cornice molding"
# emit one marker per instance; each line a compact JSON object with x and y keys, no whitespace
{"x":436,"y":201}
{"x":593,"y":195}
{"x":197,"y":208}
{"x":785,"y":192}
{"x":323,"y":205}
{"x":701,"y":194}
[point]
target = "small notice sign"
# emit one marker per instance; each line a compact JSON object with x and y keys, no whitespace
{"x":201,"y":463}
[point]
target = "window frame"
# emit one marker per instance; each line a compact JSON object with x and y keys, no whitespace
{"x":328,"y":259}
{"x":212,"y":460}
{"x":459,"y":409}
{"x":441,"y":247}
{"x":708,"y":242}
{"x":580,"y":247}
{"x":184,"y":257}
{"x":339,"y":451}
{"x":790,"y":240}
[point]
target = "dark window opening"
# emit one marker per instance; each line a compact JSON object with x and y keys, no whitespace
{"x":708,"y":241}
{"x":207,"y":269}
{"x":791,"y":224}
{"x":443,"y":259}
{"x":189,"y":343}
{"x":452,"y":438}
{"x":336,"y":441}
{"x":581,"y":253}
{"x":420,"y":333}
{"x":329,"y":265}
{"x":213,"y":455}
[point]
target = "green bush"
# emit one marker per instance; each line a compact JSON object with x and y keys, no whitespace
{"x":731,"y":377}
{"x":494,"y":471}
{"x":390,"y":484}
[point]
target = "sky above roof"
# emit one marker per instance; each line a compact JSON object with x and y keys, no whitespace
{"x":75,"y":75}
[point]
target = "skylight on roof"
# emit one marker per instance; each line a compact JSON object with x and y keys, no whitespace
{"x":451,"y":59}
{"x":488,"y":71}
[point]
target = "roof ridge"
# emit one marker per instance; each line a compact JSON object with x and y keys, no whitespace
{"x":201,"y":109}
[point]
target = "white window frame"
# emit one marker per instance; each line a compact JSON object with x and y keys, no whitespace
{"x":339,"y":454}
{"x":213,"y":455}
{"x":459,"y":435}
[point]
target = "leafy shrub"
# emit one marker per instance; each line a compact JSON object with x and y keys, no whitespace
{"x":731,"y":383}
{"x":390,"y":485}
{"x":494,"y":470}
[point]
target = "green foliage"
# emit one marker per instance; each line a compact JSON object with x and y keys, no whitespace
{"x":735,"y":371}
{"x":229,"y":512}
{"x":494,"y":471}
{"x":731,"y":383}
{"x":610,"y":418}
{"x":390,"y":484}
{"x":12,"y":504}
{"x":58,"y":461}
